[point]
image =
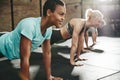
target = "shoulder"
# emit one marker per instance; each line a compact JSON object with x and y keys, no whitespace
{"x":30,"y":20}
{"x":49,"y":30}
{"x":77,"y":22}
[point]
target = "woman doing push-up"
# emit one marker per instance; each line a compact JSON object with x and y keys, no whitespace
{"x":75,"y":29}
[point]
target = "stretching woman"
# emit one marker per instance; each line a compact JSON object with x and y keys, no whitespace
{"x":29,"y":34}
{"x":75,"y":29}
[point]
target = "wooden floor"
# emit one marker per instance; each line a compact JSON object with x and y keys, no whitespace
{"x":103,"y":62}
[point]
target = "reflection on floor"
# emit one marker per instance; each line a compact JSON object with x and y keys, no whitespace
{"x":103,"y":63}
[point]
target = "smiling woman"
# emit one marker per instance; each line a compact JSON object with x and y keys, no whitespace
{"x":29,"y":34}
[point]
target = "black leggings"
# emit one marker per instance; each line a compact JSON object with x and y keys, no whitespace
{"x":56,"y":37}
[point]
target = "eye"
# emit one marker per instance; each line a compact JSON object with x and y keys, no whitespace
{"x":61,"y":14}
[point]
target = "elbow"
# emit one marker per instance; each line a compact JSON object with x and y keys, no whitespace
{"x":74,"y":46}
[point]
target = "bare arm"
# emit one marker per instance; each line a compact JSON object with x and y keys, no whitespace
{"x":25,"y":50}
{"x":86,"y":38}
{"x":77,"y":24}
{"x":47,"y":57}
{"x":80,"y":44}
{"x":74,"y":44}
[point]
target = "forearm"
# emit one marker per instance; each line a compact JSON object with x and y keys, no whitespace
{"x":47,"y":58}
{"x":24,"y":71}
{"x":73,"y":47}
{"x":25,"y":48}
{"x":80,"y":44}
{"x":72,"y":52}
{"x":47,"y":63}
{"x":80,"y":47}
{"x":86,"y":39}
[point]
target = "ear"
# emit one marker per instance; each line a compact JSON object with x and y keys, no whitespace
{"x":49,"y":12}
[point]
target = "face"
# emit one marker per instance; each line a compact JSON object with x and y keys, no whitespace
{"x":57,"y":17}
{"x":97,"y":22}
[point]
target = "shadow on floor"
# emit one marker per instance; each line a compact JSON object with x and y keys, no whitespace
{"x":60,"y":66}
{"x":7,"y":71}
{"x":97,"y":50}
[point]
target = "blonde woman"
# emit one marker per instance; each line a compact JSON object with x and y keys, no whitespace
{"x":75,"y":29}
